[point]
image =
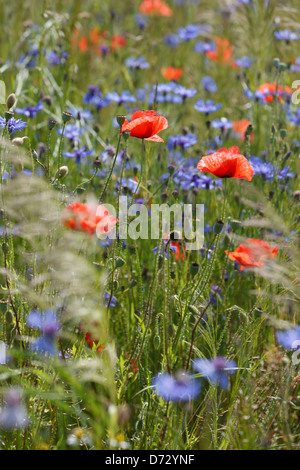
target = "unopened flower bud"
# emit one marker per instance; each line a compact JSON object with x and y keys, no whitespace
{"x":120,"y":119}
{"x":63,"y":171}
{"x":51,"y":124}
{"x":11,"y":100}
{"x":66,"y":116}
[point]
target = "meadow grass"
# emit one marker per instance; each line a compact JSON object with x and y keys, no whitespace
{"x":149,"y":312}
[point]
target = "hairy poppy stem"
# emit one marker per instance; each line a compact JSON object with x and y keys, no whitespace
{"x":112,"y":168}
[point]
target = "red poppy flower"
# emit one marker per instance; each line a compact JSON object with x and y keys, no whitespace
{"x":223,"y":53}
{"x":91,"y":341}
{"x":240,"y":127}
{"x":117,"y":41}
{"x":252,"y":253}
{"x":269,"y":91}
{"x":171,"y":73}
{"x":157,"y":7}
{"x":145,"y":125}
{"x":227,"y":164}
{"x":179,"y":253}
{"x":88,"y":218}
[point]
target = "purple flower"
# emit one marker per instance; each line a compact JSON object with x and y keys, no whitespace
{"x":209,"y":84}
{"x":181,"y":387}
{"x":13,"y":125}
{"x":201,"y":47}
{"x":296,"y":66}
{"x":182,"y":140}
{"x":191,"y":31}
{"x":125,"y":97}
{"x":14,"y":414}
{"x":71,"y":132}
{"x":172,"y":40}
{"x":289,"y":339}
{"x":207,"y":107}
{"x":30,"y":111}
{"x":222,"y":123}
{"x":78,"y":154}
{"x":286,"y":35}
{"x":244,"y":62}
{"x":48,"y":324}
{"x":137,"y":63}
{"x":110,"y":301}
{"x":94,"y":97}
{"x":216,"y":370}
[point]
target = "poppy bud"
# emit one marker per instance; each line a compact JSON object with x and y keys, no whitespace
{"x":156,"y":342}
{"x":192,"y":309}
{"x":171,"y":169}
{"x":119,"y":262}
{"x":120,"y":119}
{"x":171,"y":330}
{"x":132,"y":283}
{"x":175,"y":193}
{"x":5,"y":248}
{"x":283,"y":133}
{"x":123,"y":415}
{"x":66,"y":116}
{"x":276,"y":62}
{"x":218,"y":227}
{"x":11,"y":100}
{"x":80,"y":190}
{"x":116,"y":284}
{"x":8,"y":115}
{"x":63,"y":171}
{"x":19,"y":141}
{"x":51,"y":124}
{"x":235,"y":224}
{"x":194,"y":268}
{"x":126,"y":135}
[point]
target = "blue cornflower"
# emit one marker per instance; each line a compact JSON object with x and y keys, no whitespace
{"x":125,"y":97}
{"x":286,"y":35}
{"x":296,"y":66}
{"x":49,"y":326}
{"x":137,"y":63}
{"x":222,"y":123}
{"x":181,"y":387}
{"x":191,"y":31}
{"x":13,"y":414}
{"x":13,"y":125}
{"x":207,"y":107}
{"x":78,"y":154}
{"x":182,"y":92}
{"x":54,"y":59}
{"x":172,"y":40}
{"x":201,"y":47}
{"x":216,"y":370}
{"x":209,"y":84}
{"x":30,"y":111}
{"x":182,"y":140}
{"x":81,"y":114}
{"x":163,"y":248}
{"x":94,"y":97}
{"x":110,"y":302}
{"x":141,"y":20}
{"x":289,"y":339}
{"x":71,"y":132}
{"x":244,"y":62}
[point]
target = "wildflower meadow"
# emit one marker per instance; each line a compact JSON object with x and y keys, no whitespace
{"x":149,"y":223}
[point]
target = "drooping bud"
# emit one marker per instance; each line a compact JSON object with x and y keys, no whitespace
{"x":63,"y":171}
{"x":11,"y":101}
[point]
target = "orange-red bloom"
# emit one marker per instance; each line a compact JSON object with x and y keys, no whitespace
{"x":223,"y":53}
{"x":227,"y":164}
{"x":269,"y":91}
{"x":240,"y":127}
{"x":252,"y":253}
{"x":117,"y":41}
{"x":157,"y":7}
{"x":88,"y":218}
{"x":145,"y":125}
{"x":171,"y":73}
